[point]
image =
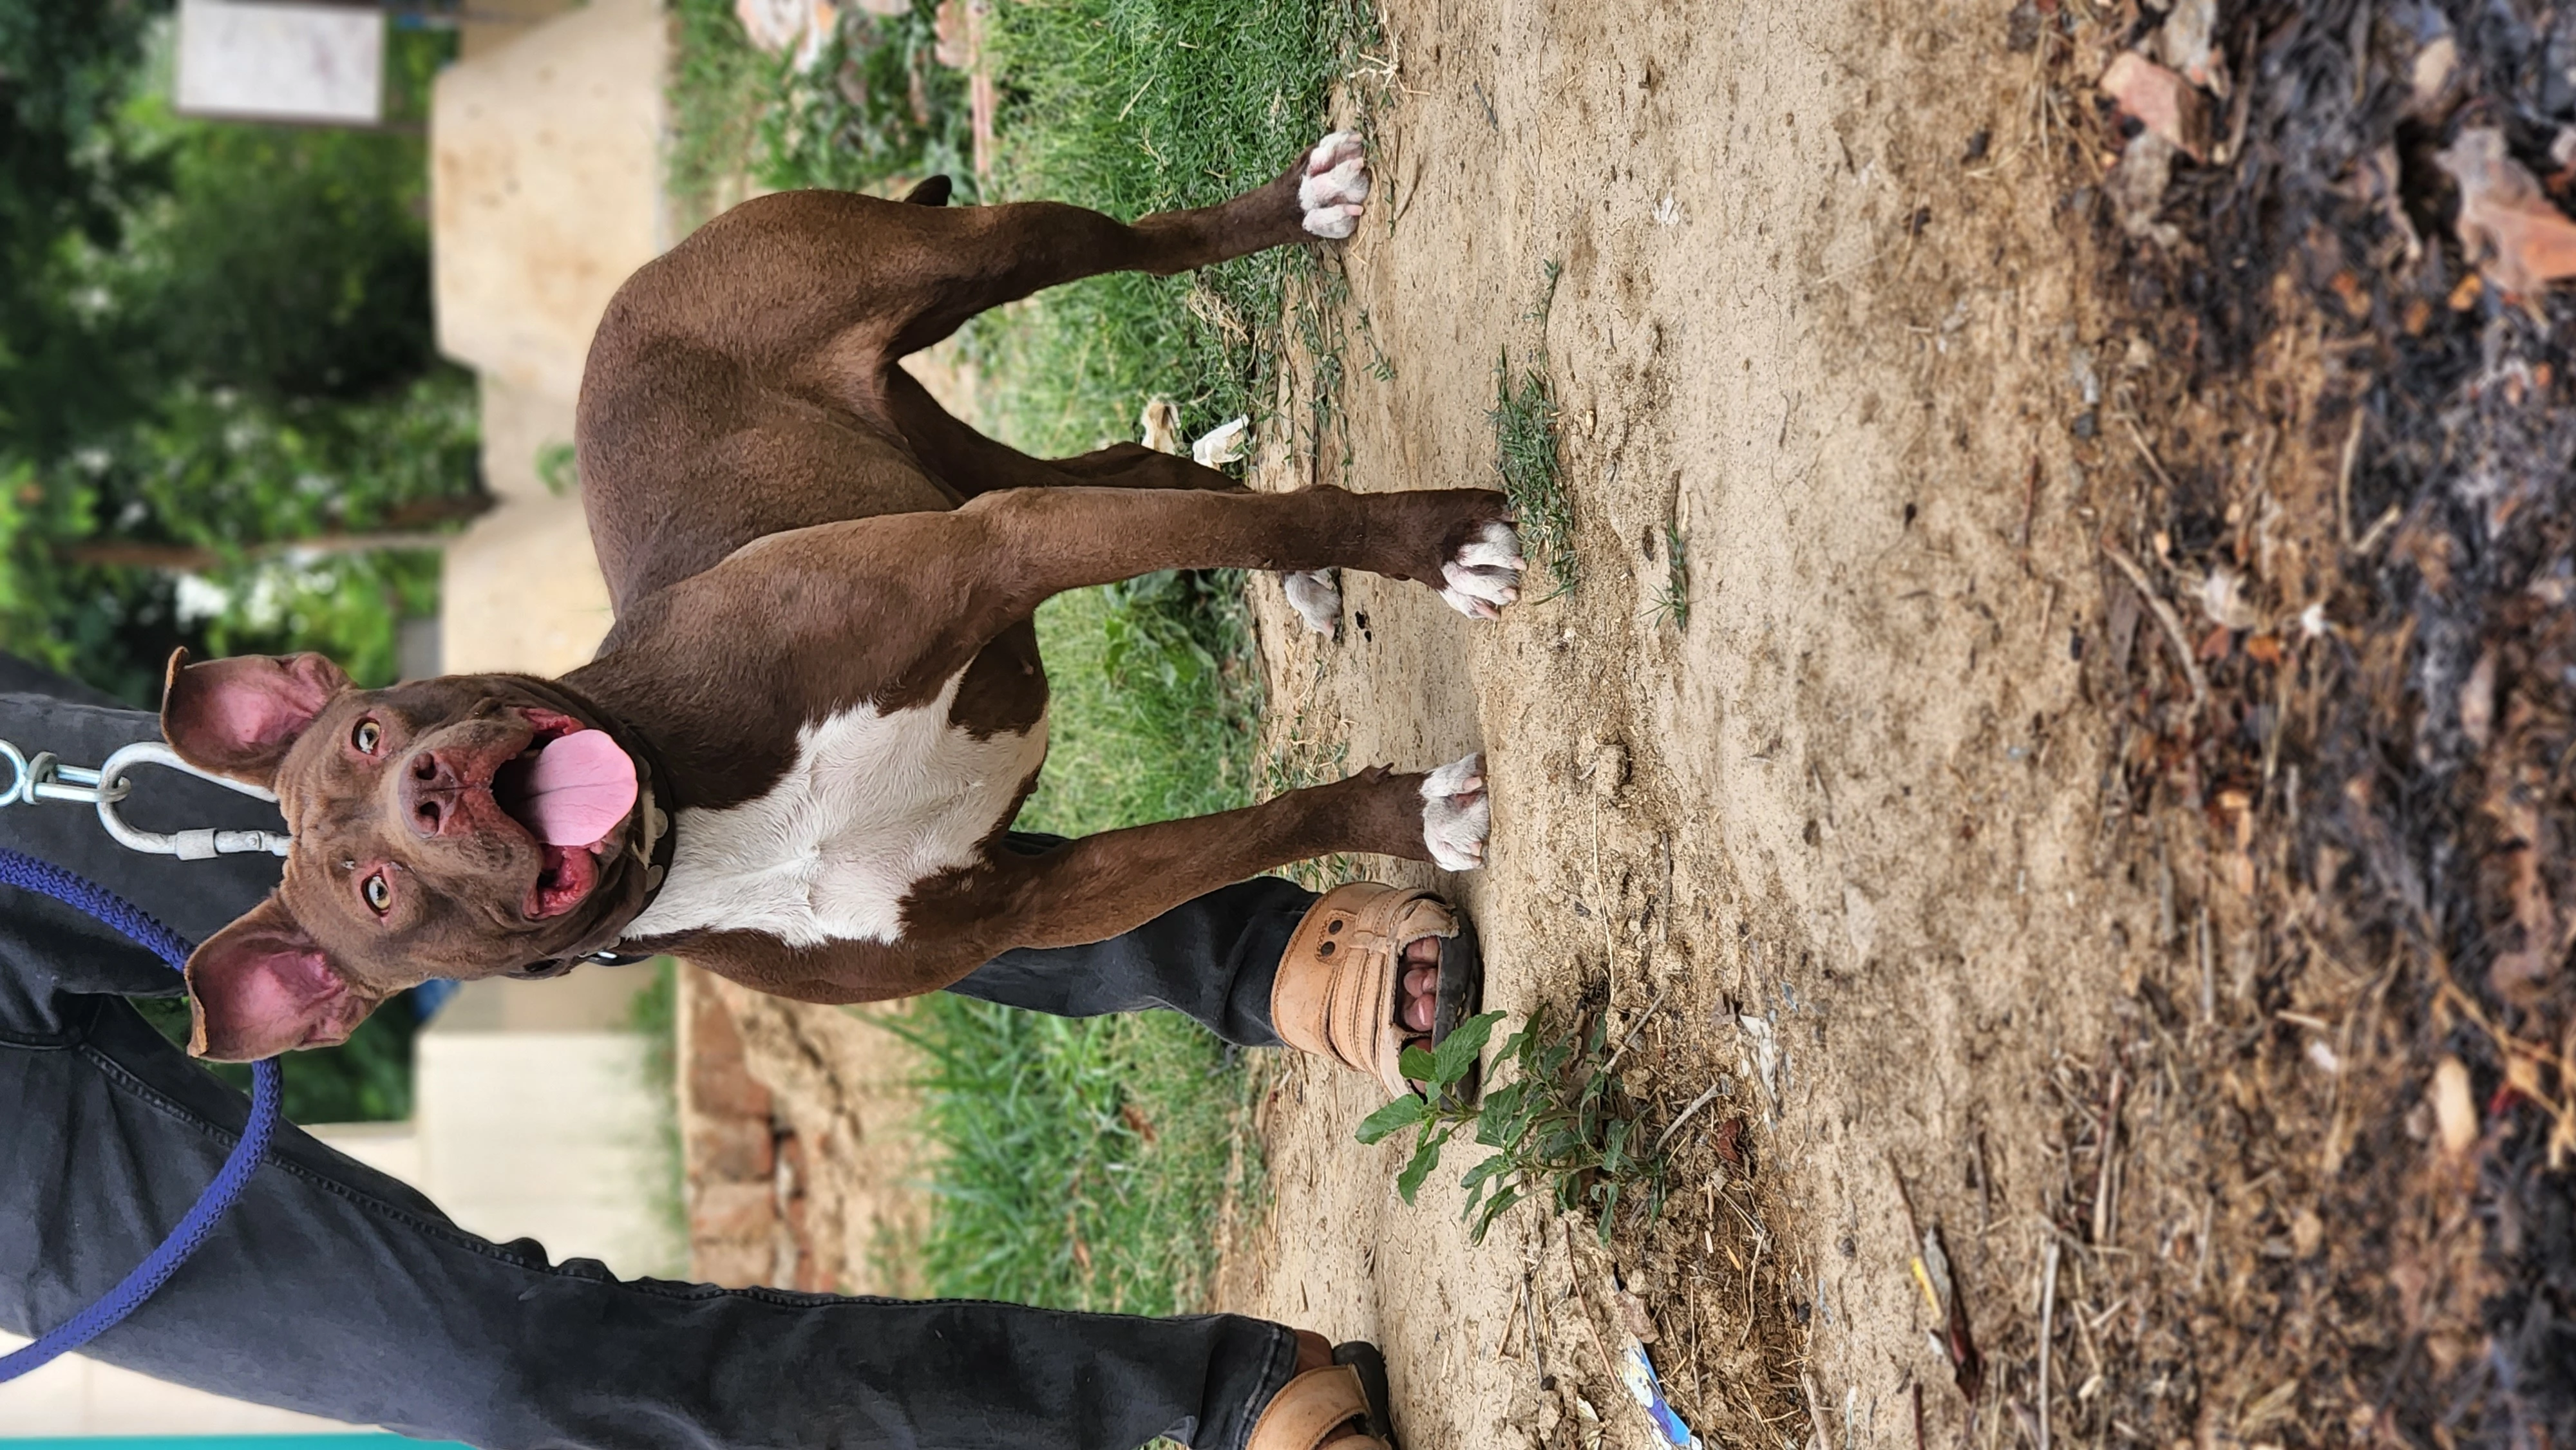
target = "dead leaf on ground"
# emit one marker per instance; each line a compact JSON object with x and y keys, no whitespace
{"x":2507,"y":225}
{"x":2164,"y":102}
{"x":1136,"y":1121}
{"x":1724,"y":1141}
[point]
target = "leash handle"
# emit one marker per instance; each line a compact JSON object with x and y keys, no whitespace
{"x":29,"y":874}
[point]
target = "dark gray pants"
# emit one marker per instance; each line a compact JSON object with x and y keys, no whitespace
{"x":335,"y":1290}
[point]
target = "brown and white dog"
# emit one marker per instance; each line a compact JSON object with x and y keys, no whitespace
{"x":797,"y":752}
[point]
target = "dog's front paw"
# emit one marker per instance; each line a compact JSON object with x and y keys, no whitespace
{"x":1317,"y":600}
{"x":1335,"y":183}
{"x":1456,"y":817}
{"x":1485,"y":574}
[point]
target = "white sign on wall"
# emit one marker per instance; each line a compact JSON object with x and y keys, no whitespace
{"x":267,"y":60}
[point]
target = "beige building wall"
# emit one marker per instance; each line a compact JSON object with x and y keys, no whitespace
{"x":545,"y":196}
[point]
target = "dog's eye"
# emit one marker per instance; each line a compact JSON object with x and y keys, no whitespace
{"x":379,"y":894}
{"x":367,"y":737}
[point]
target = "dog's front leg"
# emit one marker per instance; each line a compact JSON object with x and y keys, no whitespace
{"x":1097,"y":887}
{"x":886,"y":608}
{"x":1044,"y":541}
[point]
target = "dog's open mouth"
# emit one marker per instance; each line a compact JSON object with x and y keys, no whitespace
{"x":571,"y":788}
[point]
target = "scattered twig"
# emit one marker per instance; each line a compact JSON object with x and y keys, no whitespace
{"x":1816,"y":1411}
{"x":2165,"y":616}
{"x":2029,"y":505}
{"x":1684,"y":1115}
{"x":2102,"y":1169}
{"x":1630,"y":1040}
{"x":2047,"y":1326}
{"x":2147,"y":453}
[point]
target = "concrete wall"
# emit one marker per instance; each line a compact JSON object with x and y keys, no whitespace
{"x":545,"y":189}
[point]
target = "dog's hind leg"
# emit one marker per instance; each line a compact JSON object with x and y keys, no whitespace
{"x":972,"y":464}
{"x":981,"y":257}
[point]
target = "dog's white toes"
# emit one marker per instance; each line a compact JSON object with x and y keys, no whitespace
{"x":1496,"y":546}
{"x":1456,"y":815}
{"x":1317,"y":600}
{"x":1335,"y":184}
{"x":1486,"y":574}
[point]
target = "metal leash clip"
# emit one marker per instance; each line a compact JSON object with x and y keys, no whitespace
{"x":42,"y":777}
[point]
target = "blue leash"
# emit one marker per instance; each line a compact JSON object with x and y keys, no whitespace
{"x":29,"y":874}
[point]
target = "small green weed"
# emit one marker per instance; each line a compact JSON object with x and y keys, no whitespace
{"x":1673,"y":600}
{"x":1525,"y":454}
{"x":1563,"y":1124}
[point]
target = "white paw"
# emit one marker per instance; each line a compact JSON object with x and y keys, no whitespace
{"x":1161,"y":426}
{"x":1225,"y":443}
{"x":1456,"y":817}
{"x":1486,"y":575}
{"x":1335,"y":183}
{"x":1312,"y":593}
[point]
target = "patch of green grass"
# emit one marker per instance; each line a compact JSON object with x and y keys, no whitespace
{"x":1672,"y":601}
{"x":655,"y":1016}
{"x":1527,"y":452}
{"x":1138,"y":106}
{"x":717,"y":90}
{"x":1154,"y":689}
{"x":1079,"y":1164}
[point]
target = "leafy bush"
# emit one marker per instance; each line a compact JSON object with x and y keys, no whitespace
{"x":1564,"y":1124}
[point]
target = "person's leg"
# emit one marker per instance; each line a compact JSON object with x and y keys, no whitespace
{"x":1211,"y":959}
{"x":336,"y":1291}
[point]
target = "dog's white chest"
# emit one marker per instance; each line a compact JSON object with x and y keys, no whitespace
{"x":873,"y":804}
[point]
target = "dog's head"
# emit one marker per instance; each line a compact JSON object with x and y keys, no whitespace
{"x":468,"y":826}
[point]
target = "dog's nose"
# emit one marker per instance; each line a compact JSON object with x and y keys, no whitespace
{"x":429,"y":788}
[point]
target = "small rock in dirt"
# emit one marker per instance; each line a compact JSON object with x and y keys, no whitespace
{"x":2507,"y":225}
{"x":2477,"y":700}
{"x":2307,"y":1232}
{"x":2163,"y":101}
{"x":2021,"y":28}
{"x":2184,"y":42}
{"x":2455,"y":1115}
{"x":2429,"y":79}
{"x":2138,"y":189}
{"x":2222,"y":598}
{"x":1634,"y":1318}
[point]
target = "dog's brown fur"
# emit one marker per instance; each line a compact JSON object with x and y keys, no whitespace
{"x":791,"y":528}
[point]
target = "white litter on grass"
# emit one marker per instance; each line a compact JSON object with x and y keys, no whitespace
{"x":1225,"y":443}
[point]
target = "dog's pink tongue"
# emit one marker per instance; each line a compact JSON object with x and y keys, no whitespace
{"x":580,"y":786}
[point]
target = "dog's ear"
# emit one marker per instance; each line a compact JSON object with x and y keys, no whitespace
{"x":239,"y":716}
{"x":262,"y":986}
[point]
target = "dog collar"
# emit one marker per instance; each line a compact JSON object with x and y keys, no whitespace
{"x":655,"y":806}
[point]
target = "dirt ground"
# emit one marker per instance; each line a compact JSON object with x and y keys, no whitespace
{"x":1885,"y":839}
{"x":1819,"y":314}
